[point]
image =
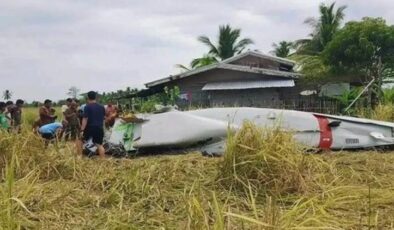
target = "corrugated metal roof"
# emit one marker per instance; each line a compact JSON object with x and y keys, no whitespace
{"x":249,"y":84}
{"x":261,"y":55}
{"x":225,"y":65}
{"x":264,"y":71}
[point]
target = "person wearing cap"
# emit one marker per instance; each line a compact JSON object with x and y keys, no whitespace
{"x":46,"y":114}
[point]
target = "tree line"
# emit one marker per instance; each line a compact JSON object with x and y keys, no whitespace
{"x":334,"y":51}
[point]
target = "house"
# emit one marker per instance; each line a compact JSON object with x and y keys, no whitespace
{"x":248,"y":79}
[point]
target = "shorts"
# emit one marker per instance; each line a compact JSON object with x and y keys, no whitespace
{"x":48,"y":136}
{"x":96,"y":133}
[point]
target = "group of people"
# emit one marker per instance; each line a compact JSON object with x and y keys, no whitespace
{"x":11,"y":115}
{"x":80,"y":123}
{"x":83,"y":123}
{"x":47,"y":126}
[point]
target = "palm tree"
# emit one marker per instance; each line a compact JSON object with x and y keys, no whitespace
{"x":207,"y":59}
{"x":282,"y":49}
{"x":324,"y":28}
{"x":308,"y":51}
{"x":229,"y":43}
{"x":203,"y":61}
{"x":7,"y":94}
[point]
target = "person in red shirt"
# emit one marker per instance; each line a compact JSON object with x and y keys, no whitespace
{"x":111,"y":113}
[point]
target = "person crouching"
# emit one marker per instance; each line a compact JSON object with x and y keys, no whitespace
{"x":51,"y":131}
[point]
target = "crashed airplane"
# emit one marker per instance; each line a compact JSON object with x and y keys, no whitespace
{"x":206,"y":129}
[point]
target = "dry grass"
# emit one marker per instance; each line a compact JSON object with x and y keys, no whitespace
{"x":382,"y":112}
{"x":274,"y":186}
{"x":269,"y":160}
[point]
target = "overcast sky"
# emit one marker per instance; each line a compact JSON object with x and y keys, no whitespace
{"x":47,"y":46}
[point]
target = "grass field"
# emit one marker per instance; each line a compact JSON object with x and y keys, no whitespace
{"x":265,"y":181}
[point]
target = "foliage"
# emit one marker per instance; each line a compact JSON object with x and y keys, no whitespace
{"x":148,"y":106}
{"x":73,"y":92}
{"x":172,"y":95}
{"x":7,"y":94}
{"x":207,"y":59}
{"x":381,"y":112}
{"x":348,"y":97}
{"x":360,"y":45}
{"x":324,"y":29}
{"x":283,"y":49}
{"x":168,"y":97}
{"x":366,"y":47}
{"x":117,"y":95}
{"x":308,"y":53}
{"x":228,"y":44}
{"x":388,"y":96}
{"x":314,"y":70}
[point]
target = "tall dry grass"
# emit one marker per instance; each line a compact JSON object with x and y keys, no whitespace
{"x":55,"y":189}
{"x":382,"y":112}
{"x":268,"y":159}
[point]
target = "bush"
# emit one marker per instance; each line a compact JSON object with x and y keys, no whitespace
{"x":388,"y":96}
{"x":148,"y":106}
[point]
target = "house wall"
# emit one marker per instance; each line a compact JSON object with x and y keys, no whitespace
{"x":192,"y":86}
{"x":246,"y":97}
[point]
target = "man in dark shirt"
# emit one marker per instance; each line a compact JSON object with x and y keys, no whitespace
{"x":93,"y":123}
{"x":16,"y":115}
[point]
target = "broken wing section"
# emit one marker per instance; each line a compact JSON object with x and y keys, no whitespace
{"x":179,"y":129}
{"x":304,"y":126}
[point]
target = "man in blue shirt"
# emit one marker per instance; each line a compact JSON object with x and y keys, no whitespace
{"x":93,"y":123}
{"x":51,"y":130}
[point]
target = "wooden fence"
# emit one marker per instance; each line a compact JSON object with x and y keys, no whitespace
{"x":307,"y":104}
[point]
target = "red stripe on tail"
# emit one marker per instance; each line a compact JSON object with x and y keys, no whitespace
{"x":325,"y":132}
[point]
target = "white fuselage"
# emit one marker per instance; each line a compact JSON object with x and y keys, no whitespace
{"x":208,"y":127}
